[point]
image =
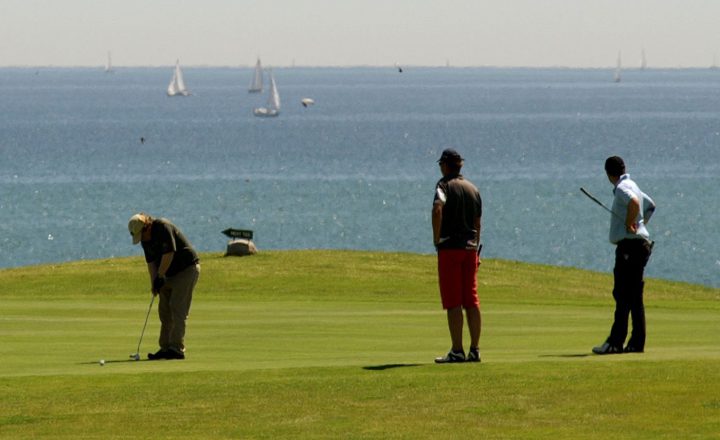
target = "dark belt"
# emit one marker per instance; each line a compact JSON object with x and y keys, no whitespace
{"x":637,"y":241}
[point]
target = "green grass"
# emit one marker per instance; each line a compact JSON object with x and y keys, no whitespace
{"x":334,"y":344}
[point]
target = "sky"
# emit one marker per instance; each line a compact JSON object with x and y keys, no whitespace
{"x":522,"y":33}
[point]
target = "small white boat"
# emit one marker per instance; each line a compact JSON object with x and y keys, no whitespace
{"x":177,"y":83}
{"x":307,"y":102}
{"x":273,"y":104}
{"x":256,"y":86}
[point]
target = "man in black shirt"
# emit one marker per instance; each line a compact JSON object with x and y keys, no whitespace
{"x":456,"y":214}
{"x":173,"y":266}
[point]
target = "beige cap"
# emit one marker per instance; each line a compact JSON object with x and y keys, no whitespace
{"x":136,"y":225}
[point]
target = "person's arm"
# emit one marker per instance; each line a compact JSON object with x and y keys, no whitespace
{"x":477,"y":226}
{"x":649,"y":207}
{"x":152,"y":271}
{"x":165,"y":262}
{"x":436,"y":221}
{"x":633,"y":210}
{"x":157,"y":275}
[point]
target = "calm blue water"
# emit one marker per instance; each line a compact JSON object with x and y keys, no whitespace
{"x":357,"y":170}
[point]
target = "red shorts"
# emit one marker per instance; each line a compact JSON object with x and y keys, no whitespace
{"x":457,"y":274}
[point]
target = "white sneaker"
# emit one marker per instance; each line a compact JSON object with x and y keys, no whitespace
{"x":606,"y":348}
{"x":451,"y":358}
{"x":473,"y":355}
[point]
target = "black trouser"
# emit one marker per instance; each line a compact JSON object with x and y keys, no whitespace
{"x":631,"y":256}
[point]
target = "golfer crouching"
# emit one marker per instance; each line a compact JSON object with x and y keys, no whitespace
{"x":174,"y":269}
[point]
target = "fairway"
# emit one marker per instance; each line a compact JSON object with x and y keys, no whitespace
{"x":340,"y":344}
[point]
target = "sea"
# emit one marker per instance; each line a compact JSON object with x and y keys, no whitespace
{"x":357,"y":169}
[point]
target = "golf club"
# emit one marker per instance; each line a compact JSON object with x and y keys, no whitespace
{"x":591,"y":197}
{"x":136,"y":355}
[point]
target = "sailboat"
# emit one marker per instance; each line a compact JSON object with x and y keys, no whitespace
{"x":273,"y":104}
{"x":256,"y":85}
{"x":618,"y":77}
{"x":643,"y":60}
{"x":177,"y":83}
{"x":108,"y":64}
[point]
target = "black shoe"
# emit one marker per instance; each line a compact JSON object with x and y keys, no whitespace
{"x":173,"y":354}
{"x":451,"y":358}
{"x":473,"y":355}
{"x":158,"y":355}
{"x":633,"y":349}
{"x":168,"y":354}
{"x":606,"y":348}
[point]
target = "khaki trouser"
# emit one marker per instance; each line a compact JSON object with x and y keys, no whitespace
{"x":175,"y":299}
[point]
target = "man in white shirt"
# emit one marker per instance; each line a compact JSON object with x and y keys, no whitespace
{"x":631,"y":211}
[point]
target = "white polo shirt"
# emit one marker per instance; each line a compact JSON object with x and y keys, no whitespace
{"x":624,"y":191}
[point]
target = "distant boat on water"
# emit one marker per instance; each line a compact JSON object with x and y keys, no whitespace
{"x":273,"y":104}
{"x":256,"y":86}
{"x":618,"y":69}
{"x":177,"y":83}
{"x":108,"y":64}
{"x":643,"y":60}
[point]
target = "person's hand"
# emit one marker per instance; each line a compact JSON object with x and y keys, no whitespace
{"x":158,"y":284}
{"x":632,"y":228}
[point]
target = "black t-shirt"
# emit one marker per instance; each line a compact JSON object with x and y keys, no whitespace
{"x":166,"y":237}
{"x":461,"y":206}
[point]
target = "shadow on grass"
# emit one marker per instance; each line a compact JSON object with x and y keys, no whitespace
{"x":116,"y":361}
{"x":389,"y":366}
{"x":578,"y":355}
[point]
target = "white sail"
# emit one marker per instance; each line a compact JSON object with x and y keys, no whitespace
{"x":643,"y":60}
{"x":256,"y":85}
{"x":618,"y":70}
{"x":177,"y":83}
{"x":273,"y":104}
{"x":108,"y":64}
{"x":180,"y":79}
{"x":274,"y":98}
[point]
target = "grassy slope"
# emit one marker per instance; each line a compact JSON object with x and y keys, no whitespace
{"x":328,"y":344}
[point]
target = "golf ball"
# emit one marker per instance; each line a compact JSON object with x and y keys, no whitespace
{"x":102,"y":362}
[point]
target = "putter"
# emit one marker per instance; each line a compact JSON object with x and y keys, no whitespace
{"x":591,"y":197}
{"x":136,"y":355}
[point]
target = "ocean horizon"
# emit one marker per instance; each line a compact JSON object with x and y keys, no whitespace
{"x":357,"y":170}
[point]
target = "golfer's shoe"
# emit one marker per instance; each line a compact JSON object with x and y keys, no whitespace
{"x":168,"y":354}
{"x":473,"y":355}
{"x":158,"y":355}
{"x":451,"y":358}
{"x":174,"y":354}
{"x":607,"y":348}
{"x":633,"y":349}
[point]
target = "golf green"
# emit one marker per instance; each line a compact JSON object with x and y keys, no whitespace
{"x":340,"y":344}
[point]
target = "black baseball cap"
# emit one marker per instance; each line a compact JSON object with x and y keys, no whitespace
{"x":450,"y":155}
